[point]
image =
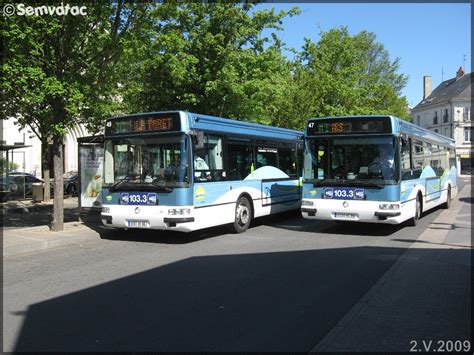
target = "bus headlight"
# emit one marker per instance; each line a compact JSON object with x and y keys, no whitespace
{"x":307,"y":203}
{"x":389,"y":206}
{"x":105,"y":209}
{"x":179,"y":211}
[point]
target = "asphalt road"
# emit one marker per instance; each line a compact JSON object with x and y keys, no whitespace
{"x":281,"y":286}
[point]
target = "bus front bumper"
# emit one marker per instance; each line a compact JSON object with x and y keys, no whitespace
{"x":178,"y":218}
{"x":354,"y":211}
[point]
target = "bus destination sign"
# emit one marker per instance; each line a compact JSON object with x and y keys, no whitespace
{"x":353,"y":125}
{"x":142,"y":124}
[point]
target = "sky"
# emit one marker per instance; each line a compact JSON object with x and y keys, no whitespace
{"x":429,"y":38}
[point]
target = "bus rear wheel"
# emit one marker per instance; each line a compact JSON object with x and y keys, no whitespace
{"x":414,"y":220}
{"x":243,"y":216}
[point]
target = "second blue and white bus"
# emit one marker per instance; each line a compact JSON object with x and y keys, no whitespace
{"x":378,"y":169}
{"x":184,"y":171}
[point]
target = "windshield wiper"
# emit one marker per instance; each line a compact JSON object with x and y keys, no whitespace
{"x":368,"y":183}
{"x":126,"y":185}
{"x":323,"y":182}
{"x":117,"y":184}
{"x":161,"y":186}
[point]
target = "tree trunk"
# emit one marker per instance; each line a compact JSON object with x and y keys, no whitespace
{"x":57,"y":224}
{"x":45,"y":157}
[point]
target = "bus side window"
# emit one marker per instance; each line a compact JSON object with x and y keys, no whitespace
{"x":287,"y":161}
{"x":405,"y":160}
{"x":418,"y":158}
{"x":300,"y":154}
{"x":240,"y":160}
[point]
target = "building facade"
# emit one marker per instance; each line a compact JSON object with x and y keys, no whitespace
{"x":28,"y":159}
{"x":447,"y":110}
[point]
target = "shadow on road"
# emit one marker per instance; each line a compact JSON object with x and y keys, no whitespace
{"x":41,"y":217}
{"x":155,"y":236}
{"x":294,"y":222}
{"x":284,"y":301}
{"x":291,"y":221}
{"x":467,"y":199}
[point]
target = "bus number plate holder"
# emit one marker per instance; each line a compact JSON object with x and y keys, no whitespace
{"x":346,"y":216}
{"x":138,"y":224}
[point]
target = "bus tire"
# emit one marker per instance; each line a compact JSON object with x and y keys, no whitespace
{"x":243,"y":215}
{"x":418,"y":208}
{"x":447,"y":204}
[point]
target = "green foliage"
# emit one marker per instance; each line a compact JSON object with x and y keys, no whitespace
{"x":214,"y":58}
{"x":347,"y":75}
{"x":221,"y":59}
{"x":210,"y":58}
{"x":59,"y":70}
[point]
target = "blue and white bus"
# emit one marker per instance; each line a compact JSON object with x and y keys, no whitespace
{"x":184,"y":171}
{"x":378,"y":169}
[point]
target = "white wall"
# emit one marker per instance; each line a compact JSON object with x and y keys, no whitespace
{"x":29,"y":159}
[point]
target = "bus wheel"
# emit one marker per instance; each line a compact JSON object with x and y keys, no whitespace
{"x":414,"y":220}
{"x":447,"y":204}
{"x":243,"y":215}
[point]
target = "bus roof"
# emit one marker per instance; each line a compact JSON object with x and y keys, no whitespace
{"x":224,"y":125}
{"x":400,"y":126}
{"x":417,"y":131}
{"x":190,"y":121}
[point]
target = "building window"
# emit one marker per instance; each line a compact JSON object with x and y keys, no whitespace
{"x":446,"y":132}
{"x":436,"y":130}
{"x":468,"y":134}
{"x":445,"y":116}
{"x":418,"y":120}
{"x":435,"y":118}
{"x":466,"y":114}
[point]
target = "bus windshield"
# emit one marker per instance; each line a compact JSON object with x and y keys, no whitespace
{"x":372,"y":160}
{"x":146,"y":163}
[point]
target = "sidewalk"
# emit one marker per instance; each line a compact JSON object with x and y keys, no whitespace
{"x":26,"y":213}
{"x":33,"y":239}
{"x":25,"y":227}
{"x":425,"y":296}
{"x":19,"y":206}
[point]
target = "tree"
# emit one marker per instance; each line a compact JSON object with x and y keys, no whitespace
{"x":210,"y":58}
{"x":59,"y":70}
{"x":345,"y":75}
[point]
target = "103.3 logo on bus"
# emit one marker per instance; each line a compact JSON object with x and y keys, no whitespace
{"x":138,"y":198}
{"x":344,"y":193}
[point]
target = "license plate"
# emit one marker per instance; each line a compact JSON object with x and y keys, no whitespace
{"x":138,"y":198}
{"x":346,"y":216}
{"x":344,"y":193}
{"x":138,"y":224}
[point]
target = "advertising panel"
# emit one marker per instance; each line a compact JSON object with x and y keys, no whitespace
{"x":91,"y":162}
